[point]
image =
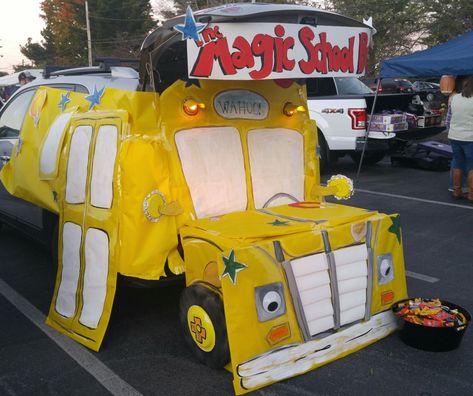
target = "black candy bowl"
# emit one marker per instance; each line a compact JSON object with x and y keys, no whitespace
{"x":436,"y":339}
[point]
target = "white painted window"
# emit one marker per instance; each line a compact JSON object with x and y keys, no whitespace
{"x":52,"y":145}
{"x":101,"y":185}
{"x":277,"y":165}
{"x":66,"y":295}
{"x":77,"y":164}
{"x":213,"y":165}
{"x":95,"y":277}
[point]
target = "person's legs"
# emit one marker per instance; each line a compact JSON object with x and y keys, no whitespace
{"x":459,"y":163}
{"x":468,"y":150}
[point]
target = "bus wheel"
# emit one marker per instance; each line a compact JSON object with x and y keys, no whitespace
{"x":203,"y":322}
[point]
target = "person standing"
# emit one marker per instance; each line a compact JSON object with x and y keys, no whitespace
{"x":456,"y":90}
{"x":460,"y":135}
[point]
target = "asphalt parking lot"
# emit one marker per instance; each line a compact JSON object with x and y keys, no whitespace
{"x":144,"y":353}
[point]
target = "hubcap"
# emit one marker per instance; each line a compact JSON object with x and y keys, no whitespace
{"x":201,"y":328}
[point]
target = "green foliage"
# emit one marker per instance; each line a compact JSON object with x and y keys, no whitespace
{"x":447,"y":19}
{"x":118,"y":28}
{"x":405,"y":26}
{"x":399,"y":25}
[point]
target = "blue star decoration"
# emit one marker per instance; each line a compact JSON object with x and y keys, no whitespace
{"x":64,"y":101}
{"x":190,"y":28}
{"x":277,"y":223}
{"x":94,"y":98}
{"x":395,"y":227}
{"x":232,"y":267}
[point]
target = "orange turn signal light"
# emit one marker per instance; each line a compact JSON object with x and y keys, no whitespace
{"x":290,"y":109}
{"x":192,"y":107}
{"x":278,"y":333}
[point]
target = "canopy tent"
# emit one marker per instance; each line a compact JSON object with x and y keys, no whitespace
{"x":454,"y":57}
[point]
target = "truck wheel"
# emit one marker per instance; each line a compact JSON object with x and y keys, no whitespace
{"x":324,"y":153}
{"x":54,"y":245}
{"x":370,"y":157}
{"x":203,"y":323}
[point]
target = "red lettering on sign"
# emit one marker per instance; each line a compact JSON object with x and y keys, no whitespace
{"x":243,"y":57}
{"x":214,"y":50}
{"x":271,"y":54}
{"x":324,"y":58}
{"x":362,"y":52}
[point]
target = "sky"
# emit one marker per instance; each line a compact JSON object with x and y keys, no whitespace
{"x":19,"y":19}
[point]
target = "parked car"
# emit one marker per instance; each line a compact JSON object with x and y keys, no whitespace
{"x":425,"y":86}
{"x":389,"y":85}
{"x":38,"y":223}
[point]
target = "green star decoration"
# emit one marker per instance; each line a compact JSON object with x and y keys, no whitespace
{"x":395,"y":227}
{"x":232,"y":267}
{"x":277,"y":223}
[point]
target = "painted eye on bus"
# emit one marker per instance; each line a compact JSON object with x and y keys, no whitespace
{"x":270,"y":301}
{"x":385,"y":268}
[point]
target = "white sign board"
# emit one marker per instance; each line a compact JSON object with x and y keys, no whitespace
{"x":259,"y":51}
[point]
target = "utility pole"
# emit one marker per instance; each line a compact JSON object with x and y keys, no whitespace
{"x":89,"y":41}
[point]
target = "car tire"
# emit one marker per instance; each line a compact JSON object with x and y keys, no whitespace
{"x":54,"y":245}
{"x":369,"y":158}
{"x":323,"y":152}
{"x":203,"y":323}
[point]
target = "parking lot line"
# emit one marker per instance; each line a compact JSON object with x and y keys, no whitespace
{"x":414,"y":199}
{"x":423,"y":277}
{"x":103,"y":374}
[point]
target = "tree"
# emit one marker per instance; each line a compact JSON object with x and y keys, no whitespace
{"x":400,"y":25}
{"x":447,"y":19}
{"x":118,"y":28}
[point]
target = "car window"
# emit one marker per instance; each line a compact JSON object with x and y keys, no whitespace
{"x":351,"y":86}
{"x":11,"y":118}
{"x":69,"y":87}
{"x":404,"y":83}
{"x":323,"y":86}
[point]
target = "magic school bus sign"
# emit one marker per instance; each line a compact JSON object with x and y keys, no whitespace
{"x":257,"y":51}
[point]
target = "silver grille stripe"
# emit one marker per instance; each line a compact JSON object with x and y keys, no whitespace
{"x":293,"y":289}
{"x":333,"y":280}
{"x":369,"y":288}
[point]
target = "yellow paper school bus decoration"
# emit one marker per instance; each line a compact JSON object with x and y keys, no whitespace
{"x":218,"y":180}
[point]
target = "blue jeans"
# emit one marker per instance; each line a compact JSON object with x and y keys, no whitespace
{"x":462,"y":155}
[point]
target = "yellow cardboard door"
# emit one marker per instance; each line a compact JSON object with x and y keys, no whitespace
{"x":88,"y":248}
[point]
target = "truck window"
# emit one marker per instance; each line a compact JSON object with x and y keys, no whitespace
{"x":323,"y":86}
{"x":351,"y":86}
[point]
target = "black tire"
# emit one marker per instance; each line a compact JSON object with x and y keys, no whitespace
{"x":54,"y":245}
{"x":210,"y":301}
{"x":369,"y":158}
{"x":324,"y":153}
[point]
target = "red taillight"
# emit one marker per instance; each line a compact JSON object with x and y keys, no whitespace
{"x":358,"y":118}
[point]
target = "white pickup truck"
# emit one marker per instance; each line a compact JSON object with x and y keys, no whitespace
{"x":339,"y":107}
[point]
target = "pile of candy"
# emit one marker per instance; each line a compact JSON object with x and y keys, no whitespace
{"x":429,"y":313}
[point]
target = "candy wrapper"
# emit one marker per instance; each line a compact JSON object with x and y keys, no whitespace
{"x":429,"y":312}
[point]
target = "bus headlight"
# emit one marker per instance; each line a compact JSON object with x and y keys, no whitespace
{"x":270,"y":301}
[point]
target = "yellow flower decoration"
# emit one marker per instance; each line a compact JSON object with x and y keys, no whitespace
{"x":343,"y":186}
